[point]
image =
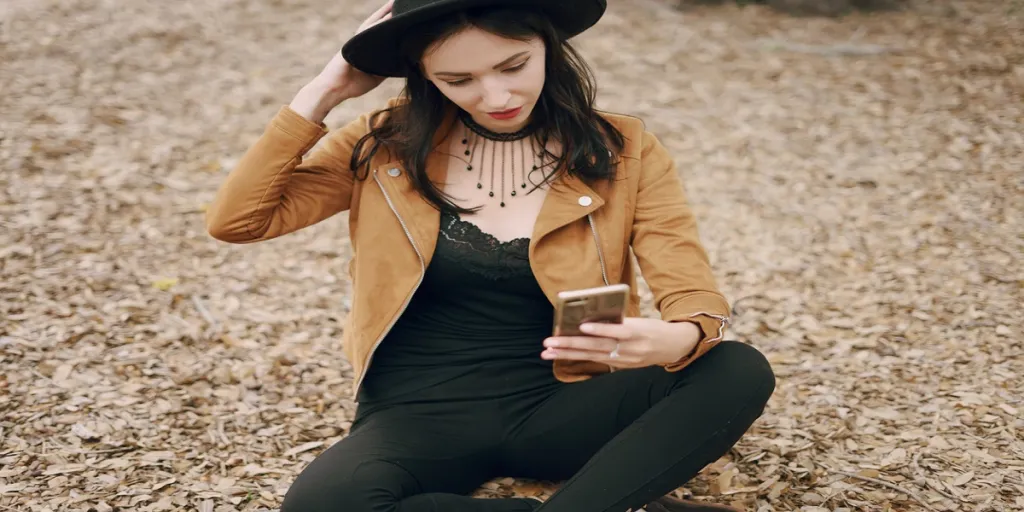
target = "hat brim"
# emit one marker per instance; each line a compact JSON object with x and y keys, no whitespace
{"x":375,"y":50}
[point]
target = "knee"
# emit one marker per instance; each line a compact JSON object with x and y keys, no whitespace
{"x":319,"y":495}
{"x":365,"y":488}
{"x":745,"y":367}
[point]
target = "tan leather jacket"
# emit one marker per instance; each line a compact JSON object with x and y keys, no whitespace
{"x":583,"y":237}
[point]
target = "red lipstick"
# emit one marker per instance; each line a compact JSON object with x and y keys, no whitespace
{"x":507,"y":114}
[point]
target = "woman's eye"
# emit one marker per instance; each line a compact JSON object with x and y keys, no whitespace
{"x":508,"y":70}
{"x":517,"y":68}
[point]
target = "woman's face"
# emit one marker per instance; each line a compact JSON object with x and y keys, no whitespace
{"x":485,"y":74}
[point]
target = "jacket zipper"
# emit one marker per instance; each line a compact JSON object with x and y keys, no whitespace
{"x":597,"y":240}
{"x":724,"y":321}
{"x":600,"y":257}
{"x":423,"y":271}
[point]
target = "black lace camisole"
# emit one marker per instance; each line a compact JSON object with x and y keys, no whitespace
{"x":474,"y":329}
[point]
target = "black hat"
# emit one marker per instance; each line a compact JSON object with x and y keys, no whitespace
{"x":375,"y":50}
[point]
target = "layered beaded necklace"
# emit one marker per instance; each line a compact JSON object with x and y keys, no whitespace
{"x":476,"y":139}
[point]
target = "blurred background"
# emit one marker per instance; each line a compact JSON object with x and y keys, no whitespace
{"x":857,"y":168}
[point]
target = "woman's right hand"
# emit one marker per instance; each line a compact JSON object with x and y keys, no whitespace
{"x":339,"y":80}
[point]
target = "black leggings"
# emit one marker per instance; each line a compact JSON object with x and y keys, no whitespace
{"x":621,"y":440}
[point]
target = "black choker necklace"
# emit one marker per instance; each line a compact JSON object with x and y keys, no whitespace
{"x":523,"y":133}
{"x":505,"y":146}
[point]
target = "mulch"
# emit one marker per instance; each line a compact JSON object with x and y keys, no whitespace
{"x":858,"y":182}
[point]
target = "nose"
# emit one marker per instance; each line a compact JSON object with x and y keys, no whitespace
{"x":495,"y":96}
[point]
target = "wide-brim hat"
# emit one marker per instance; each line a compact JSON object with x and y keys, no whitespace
{"x":376,"y":51}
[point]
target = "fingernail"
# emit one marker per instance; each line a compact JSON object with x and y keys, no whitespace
{"x":550,"y":343}
{"x":587,"y":327}
{"x":547,"y":355}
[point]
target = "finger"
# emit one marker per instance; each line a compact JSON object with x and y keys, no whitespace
{"x":377,"y":16}
{"x":382,"y":20}
{"x":585,"y":355}
{"x":582,"y":343}
{"x":368,"y":25}
{"x":383,"y":9}
{"x":616,"y":331}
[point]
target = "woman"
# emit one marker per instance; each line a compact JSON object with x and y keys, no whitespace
{"x":487,"y":187}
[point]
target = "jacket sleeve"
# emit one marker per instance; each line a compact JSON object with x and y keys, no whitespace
{"x":668,"y":248}
{"x":273,"y":191}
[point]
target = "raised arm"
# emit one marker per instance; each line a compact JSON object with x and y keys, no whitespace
{"x":273,"y":191}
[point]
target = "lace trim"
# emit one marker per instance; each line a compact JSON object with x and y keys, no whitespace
{"x":480,"y":252}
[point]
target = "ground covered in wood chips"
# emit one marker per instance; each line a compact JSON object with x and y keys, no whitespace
{"x":858,"y":181}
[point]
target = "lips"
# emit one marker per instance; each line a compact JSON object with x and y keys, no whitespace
{"x":506,"y":114}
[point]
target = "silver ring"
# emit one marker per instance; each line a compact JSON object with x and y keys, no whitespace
{"x":614,"y":354}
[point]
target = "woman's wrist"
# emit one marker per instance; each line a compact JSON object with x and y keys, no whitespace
{"x":315,"y":100}
{"x":683,"y":337}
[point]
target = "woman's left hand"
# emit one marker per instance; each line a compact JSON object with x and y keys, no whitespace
{"x":635,"y":343}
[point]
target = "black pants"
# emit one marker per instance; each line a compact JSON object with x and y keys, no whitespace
{"x":620,"y":440}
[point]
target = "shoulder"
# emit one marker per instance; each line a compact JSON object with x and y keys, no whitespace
{"x":395,"y":101}
{"x":638,"y":140}
{"x":622,"y":121}
{"x":365,"y":122}
{"x":643,"y":155}
{"x":375,"y":117}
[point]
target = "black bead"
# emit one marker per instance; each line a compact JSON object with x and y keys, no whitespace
{"x":469,"y":167}
{"x":503,"y":204}
{"x":467,"y":152}
{"x":524,"y":185}
{"x":513,"y":193}
{"x":465,"y":141}
{"x":490,"y":194}
{"x":535,"y":167}
{"x":479,"y":185}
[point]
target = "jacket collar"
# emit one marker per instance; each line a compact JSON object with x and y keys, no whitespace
{"x":568,"y":200}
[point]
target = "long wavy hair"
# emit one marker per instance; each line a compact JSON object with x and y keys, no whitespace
{"x":565,"y":110}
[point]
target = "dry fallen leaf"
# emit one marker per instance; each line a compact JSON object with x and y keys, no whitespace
{"x":963,"y":479}
{"x":895,"y":456}
{"x":939,"y":443}
{"x":165,"y":284}
{"x":84,"y":432}
{"x":303,"y":448}
{"x":725,"y":479}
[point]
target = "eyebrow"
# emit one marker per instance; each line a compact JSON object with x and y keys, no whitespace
{"x":496,"y":66}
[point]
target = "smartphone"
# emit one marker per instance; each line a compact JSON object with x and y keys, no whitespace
{"x":604,"y":304}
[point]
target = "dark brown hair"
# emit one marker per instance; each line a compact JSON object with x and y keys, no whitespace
{"x":565,"y":110}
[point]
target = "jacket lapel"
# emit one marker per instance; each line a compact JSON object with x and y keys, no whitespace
{"x":568,"y":200}
{"x":422,"y":218}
